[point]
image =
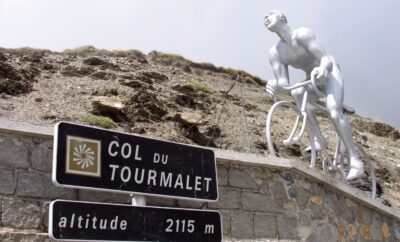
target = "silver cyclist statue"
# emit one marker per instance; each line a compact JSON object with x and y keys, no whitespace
{"x":300,"y":49}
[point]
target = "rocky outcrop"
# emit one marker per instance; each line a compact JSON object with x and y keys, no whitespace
{"x":14,"y":78}
{"x":377,"y":128}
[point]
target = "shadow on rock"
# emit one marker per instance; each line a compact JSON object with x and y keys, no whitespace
{"x":145,"y":107}
{"x":14,"y":80}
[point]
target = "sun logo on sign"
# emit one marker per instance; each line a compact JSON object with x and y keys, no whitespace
{"x":83,"y":156}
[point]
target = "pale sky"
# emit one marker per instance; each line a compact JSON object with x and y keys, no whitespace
{"x":363,"y":36}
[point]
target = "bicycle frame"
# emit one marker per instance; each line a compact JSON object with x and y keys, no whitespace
{"x":292,"y":139}
{"x":340,"y":150}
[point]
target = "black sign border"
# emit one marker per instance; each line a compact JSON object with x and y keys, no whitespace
{"x":50,"y":225}
{"x":56,"y":183}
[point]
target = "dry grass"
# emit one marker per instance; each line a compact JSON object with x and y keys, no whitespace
{"x":101,"y":121}
{"x":196,"y":85}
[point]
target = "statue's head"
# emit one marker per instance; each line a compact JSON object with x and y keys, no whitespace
{"x":274,"y":19}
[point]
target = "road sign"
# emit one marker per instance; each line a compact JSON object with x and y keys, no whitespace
{"x":87,"y":221}
{"x":87,"y":157}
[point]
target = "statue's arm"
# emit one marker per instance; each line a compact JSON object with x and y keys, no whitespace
{"x":280,"y":72}
{"x":314,"y":46}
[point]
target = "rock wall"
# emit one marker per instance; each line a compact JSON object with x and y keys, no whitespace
{"x":260,"y":199}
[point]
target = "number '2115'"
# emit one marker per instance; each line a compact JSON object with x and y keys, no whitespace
{"x":179,"y":226}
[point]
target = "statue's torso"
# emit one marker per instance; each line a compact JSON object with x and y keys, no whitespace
{"x":296,"y":55}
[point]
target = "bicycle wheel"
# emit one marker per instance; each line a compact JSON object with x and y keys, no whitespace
{"x":368,"y":183}
{"x":285,"y":120}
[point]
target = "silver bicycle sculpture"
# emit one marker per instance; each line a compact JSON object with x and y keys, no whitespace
{"x":336,"y":164}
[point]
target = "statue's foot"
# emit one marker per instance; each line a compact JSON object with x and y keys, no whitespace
{"x":356,"y":170}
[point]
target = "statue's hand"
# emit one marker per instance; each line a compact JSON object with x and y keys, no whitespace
{"x":271,"y":87}
{"x":320,"y":73}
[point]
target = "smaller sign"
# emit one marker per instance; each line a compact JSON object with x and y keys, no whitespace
{"x":87,"y":221}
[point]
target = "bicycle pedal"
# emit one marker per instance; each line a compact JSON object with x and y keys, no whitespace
{"x":290,"y":142}
{"x":306,"y":152}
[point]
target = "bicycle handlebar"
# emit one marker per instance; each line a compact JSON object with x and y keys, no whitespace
{"x":305,"y":83}
{"x":295,"y":86}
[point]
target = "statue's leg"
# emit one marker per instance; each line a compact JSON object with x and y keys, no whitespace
{"x":298,"y":96}
{"x":314,"y":122}
{"x":334,"y":105}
